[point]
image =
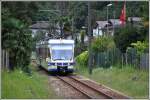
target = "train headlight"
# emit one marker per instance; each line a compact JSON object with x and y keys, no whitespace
{"x":70,"y":67}
{"x":72,"y":63}
{"x":47,"y":60}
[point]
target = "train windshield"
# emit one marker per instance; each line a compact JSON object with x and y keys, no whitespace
{"x":62,"y":54}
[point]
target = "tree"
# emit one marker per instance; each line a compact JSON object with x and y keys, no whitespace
{"x":23,"y":11}
{"x":16,"y":37}
{"x":78,"y":11}
{"x":127,"y":35}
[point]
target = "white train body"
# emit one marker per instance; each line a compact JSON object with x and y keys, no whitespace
{"x":61,"y":55}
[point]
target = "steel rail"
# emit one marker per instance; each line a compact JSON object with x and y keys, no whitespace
{"x":83,"y":92}
{"x":100,"y":91}
{"x":106,"y":94}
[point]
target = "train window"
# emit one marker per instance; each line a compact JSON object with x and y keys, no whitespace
{"x":62,"y":54}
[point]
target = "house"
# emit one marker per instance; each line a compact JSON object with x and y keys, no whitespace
{"x":44,"y":26}
{"x":106,"y":27}
{"x":39,"y":26}
{"x":98,"y":30}
{"x":51,"y":31}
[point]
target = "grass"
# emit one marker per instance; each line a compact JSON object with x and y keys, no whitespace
{"x":19,"y":85}
{"x":128,"y":80}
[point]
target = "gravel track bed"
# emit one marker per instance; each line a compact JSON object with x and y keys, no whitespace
{"x":64,"y":90}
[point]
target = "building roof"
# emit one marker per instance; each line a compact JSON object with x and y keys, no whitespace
{"x":135,"y":19}
{"x":40,"y":25}
{"x":101,"y":24}
{"x":115,"y":21}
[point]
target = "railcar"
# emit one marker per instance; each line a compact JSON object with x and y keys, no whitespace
{"x":56,"y":55}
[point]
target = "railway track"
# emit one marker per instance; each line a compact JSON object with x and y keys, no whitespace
{"x":89,"y":92}
{"x":90,"y":89}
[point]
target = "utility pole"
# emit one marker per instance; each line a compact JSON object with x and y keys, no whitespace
{"x":107,"y":20}
{"x":89,"y":34}
{"x":108,"y":17}
{"x":114,"y":23}
{"x":72,"y":28}
{"x":61,"y":22}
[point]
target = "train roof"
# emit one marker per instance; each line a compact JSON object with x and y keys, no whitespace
{"x":58,"y":41}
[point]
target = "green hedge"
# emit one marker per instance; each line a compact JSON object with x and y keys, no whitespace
{"x":102,"y":44}
{"x":82,"y":59}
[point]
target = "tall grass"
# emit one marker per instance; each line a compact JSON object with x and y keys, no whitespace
{"x":19,"y":85}
{"x":132,"y":82}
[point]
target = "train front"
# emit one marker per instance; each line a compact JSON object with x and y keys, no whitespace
{"x":61,"y":55}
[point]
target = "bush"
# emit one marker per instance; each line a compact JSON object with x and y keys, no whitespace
{"x":82,"y":59}
{"x":102,"y":44}
{"x":140,"y":46}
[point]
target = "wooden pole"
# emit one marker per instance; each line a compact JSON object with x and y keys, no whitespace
{"x":89,"y":33}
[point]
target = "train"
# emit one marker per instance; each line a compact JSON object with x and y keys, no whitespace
{"x":56,"y":55}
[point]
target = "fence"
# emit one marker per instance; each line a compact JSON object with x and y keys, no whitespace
{"x":4,"y":59}
{"x":144,"y":61}
{"x":115,"y":56}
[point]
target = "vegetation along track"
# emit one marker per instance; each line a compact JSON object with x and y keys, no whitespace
{"x":90,"y":89}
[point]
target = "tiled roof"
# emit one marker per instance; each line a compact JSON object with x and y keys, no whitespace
{"x":101,"y":24}
{"x":40,"y":25}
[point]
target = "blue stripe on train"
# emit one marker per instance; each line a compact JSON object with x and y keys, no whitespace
{"x":52,"y":70}
{"x":61,"y":64}
{"x":56,"y":70}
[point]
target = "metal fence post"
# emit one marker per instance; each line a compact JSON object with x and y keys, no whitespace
{"x":126,"y":58}
{"x":122,"y":60}
{"x":3,"y":60}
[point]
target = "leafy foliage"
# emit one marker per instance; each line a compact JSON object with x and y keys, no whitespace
{"x":82,"y":59}
{"x":140,"y":46}
{"x":16,"y":37}
{"x":102,"y":44}
{"x":17,"y":40}
{"x":78,"y":11}
{"x":127,"y":35}
{"x":20,"y":10}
